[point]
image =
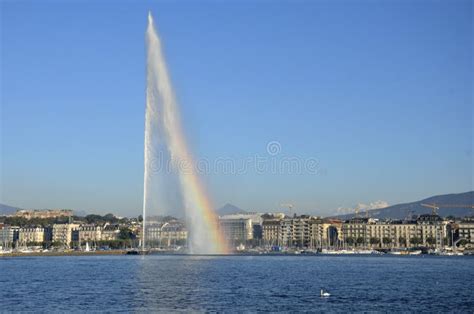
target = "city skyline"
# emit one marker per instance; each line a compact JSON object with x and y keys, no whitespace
{"x":390,"y":124}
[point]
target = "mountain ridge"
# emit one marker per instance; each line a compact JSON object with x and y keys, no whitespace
{"x":401,"y":211}
{"x":7,"y":209}
{"x":229,"y":209}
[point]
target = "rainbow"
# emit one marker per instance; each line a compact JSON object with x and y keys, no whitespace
{"x":162,"y":110}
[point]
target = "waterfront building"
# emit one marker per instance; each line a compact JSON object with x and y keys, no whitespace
{"x":242,"y":228}
{"x":368,"y":232}
{"x":433,"y":230}
{"x":29,"y":235}
{"x":48,"y":234}
{"x":271,"y":231}
{"x":62,"y":233}
{"x":405,"y":233}
{"x":153,"y":234}
{"x":466,"y":230}
{"x":3,"y":236}
{"x":166,"y":234}
{"x":326,"y":232}
{"x":110,"y":232}
{"x":87,"y":233}
{"x":256,"y":219}
{"x":136,"y":229}
{"x":285,"y":235}
{"x":8,"y":235}
{"x":301,"y":231}
{"x":296,"y":231}
{"x":427,"y":230}
{"x":236,"y":230}
{"x":355,"y":231}
{"x":380,"y":234}
{"x":307,"y":231}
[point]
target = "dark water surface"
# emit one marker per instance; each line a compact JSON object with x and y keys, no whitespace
{"x":242,"y":283}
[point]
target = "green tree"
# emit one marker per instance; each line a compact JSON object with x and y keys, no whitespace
{"x":415,"y":240}
{"x":402,"y":241}
{"x":386,"y":240}
{"x":181,"y":242}
{"x":94,"y":219}
{"x":431,"y":240}
{"x":125,"y":234}
{"x":33,"y":243}
{"x":374,"y":240}
{"x":350,"y":241}
{"x":110,"y":218}
{"x":360,"y":240}
{"x":462,"y":242}
{"x":57,"y":244}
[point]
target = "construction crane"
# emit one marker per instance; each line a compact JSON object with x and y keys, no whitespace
{"x":434,"y":207}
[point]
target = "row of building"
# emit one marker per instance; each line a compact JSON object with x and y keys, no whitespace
{"x":314,"y":232}
{"x":267,"y":230}
{"x":64,"y":234}
{"x":166,"y":233}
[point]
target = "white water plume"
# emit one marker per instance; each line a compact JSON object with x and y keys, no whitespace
{"x":164,"y":139}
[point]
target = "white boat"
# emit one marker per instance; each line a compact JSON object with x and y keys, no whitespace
{"x":395,"y":252}
{"x":331,"y":252}
{"x":450,"y":253}
{"x":366,"y":252}
{"x":404,"y":252}
{"x":348,"y":252}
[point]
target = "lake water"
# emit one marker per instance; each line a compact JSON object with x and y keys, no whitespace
{"x":243,"y":283}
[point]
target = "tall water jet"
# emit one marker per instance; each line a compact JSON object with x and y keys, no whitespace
{"x":164,"y":139}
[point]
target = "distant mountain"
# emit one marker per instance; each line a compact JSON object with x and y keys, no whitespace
{"x":229,"y":209}
{"x":7,"y":210}
{"x":401,"y":211}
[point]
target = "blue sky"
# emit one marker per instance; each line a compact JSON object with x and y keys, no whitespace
{"x":380,"y":93}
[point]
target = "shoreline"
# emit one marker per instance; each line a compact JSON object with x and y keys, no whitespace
{"x":72,"y":253}
{"x":124,"y":252}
